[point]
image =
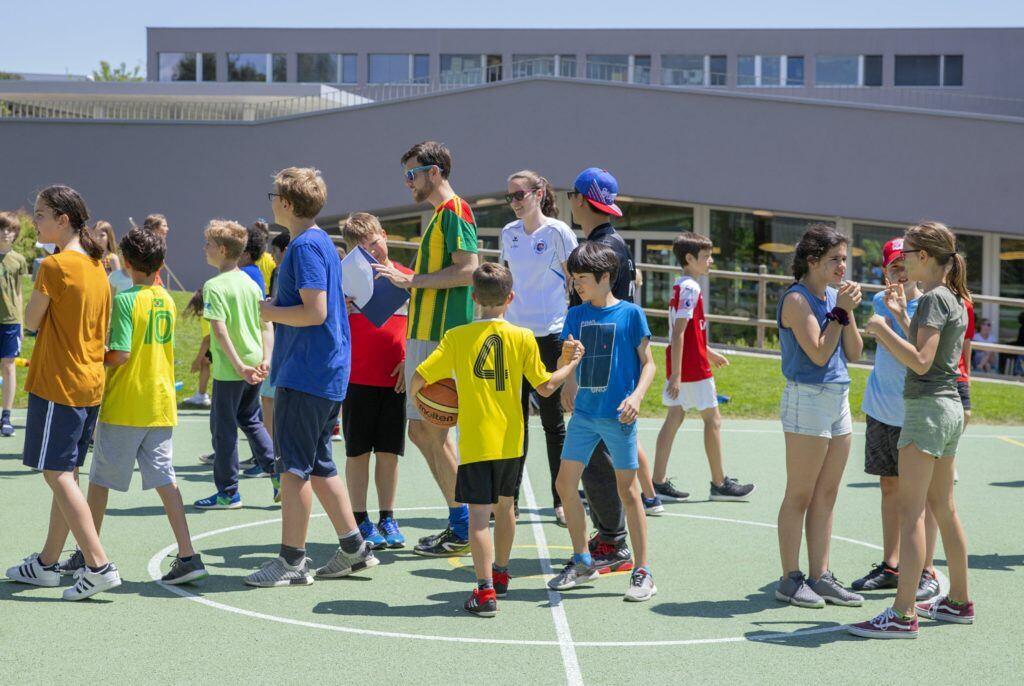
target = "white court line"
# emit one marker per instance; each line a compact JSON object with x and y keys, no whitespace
{"x":573,"y":675}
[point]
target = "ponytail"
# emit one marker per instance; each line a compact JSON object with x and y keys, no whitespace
{"x":940,"y":243}
{"x":67,"y":201}
{"x":548,"y":207}
{"x":956,"y":277}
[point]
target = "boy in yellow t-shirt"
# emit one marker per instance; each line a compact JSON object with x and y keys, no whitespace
{"x":139,"y":404}
{"x":488,"y":359}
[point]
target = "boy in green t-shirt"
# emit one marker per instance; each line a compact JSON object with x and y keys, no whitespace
{"x":241,"y":345}
{"x":12,"y":268}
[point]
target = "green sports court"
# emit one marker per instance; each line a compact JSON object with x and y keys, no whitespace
{"x":714,"y":618}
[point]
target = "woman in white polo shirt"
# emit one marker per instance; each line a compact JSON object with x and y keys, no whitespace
{"x":535,"y":247}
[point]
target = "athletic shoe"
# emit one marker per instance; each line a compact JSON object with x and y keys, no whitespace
{"x":574,"y":574}
{"x":88,"y":583}
{"x":368,"y":530}
{"x":942,"y":610}
{"x":392,"y":534}
{"x":336,"y":433}
{"x":609,"y":557}
{"x":277,"y":572}
{"x":669,"y":493}
{"x":6,"y":428}
{"x":482,"y":603}
{"x":445,"y":545}
{"x":881,"y":576}
{"x":343,"y":564}
{"x":197,"y":399}
{"x":220,"y":501}
{"x":30,"y":571}
{"x":927,"y":587}
{"x":731,"y":490}
{"x":73,"y":563}
{"x":831,"y":591}
{"x":886,"y":625}
{"x":560,"y":517}
{"x":182,"y":572}
{"x":583,"y":496}
{"x":206,"y":458}
{"x":793,"y":589}
{"x":641,"y":586}
{"x":500,"y":580}
{"x":247,"y":464}
{"x":430,"y":539}
{"x":653,"y":506}
{"x":256,"y":472}
{"x":275,"y":481}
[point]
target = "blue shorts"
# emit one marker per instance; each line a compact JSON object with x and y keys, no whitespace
{"x":10,"y":340}
{"x":267,"y":389}
{"x":584,"y":433}
{"x":57,"y":436}
{"x":303,"y":424}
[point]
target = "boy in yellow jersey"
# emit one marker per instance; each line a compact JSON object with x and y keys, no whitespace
{"x":139,"y":404}
{"x":488,"y":360}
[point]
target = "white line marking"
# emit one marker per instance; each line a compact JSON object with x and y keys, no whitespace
{"x":573,"y":675}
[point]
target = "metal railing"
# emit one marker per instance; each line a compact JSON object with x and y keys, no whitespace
{"x":937,"y":99}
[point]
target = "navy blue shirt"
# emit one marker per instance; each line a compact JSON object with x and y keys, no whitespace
{"x":625,"y":277}
{"x":312,"y":359}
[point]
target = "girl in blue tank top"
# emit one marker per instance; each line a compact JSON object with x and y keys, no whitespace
{"x":818,"y":335}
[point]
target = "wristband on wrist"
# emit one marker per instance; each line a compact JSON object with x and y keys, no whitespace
{"x":839,"y":315}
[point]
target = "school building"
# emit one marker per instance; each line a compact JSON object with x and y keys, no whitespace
{"x":743,"y":135}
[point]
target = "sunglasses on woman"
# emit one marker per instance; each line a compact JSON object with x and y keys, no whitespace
{"x":518,"y":196}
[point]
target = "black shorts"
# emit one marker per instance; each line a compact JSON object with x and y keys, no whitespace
{"x":373,"y":420}
{"x":881,"y":454}
{"x":302,"y":433}
{"x":57,"y":436}
{"x":964,"y":389}
{"x":481,"y":483}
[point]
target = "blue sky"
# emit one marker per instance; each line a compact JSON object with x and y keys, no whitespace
{"x":73,"y":36}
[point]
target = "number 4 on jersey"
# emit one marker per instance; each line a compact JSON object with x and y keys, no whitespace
{"x":498,"y":372}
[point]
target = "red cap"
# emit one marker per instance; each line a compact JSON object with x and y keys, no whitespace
{"x":893,"y":250}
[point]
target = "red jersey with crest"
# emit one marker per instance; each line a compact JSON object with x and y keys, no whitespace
{"x":688,"y":303}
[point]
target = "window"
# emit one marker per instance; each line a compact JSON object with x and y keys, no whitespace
{"x":1011,"y":285}
{"x":644,"y":216}
{"x":768,"y":70}
{"x":682,"y":70}
{"x":746,"y":71}
{"x":318,"y":68}
{"x":491,"y":215}
{"x":389,"y":68}
{"x":494,"y":65}
{"x":794,"y":70}
{"x":248,"y":66}
{"x":929,"y":70}
{"x":608,"y":67}
{"x":279,"y":67}
{"x":848,"y":70}
{"x":866,"y":252}
{"x":348,"y":69}
{"x":181,"y":66}
{"x":566,"y":66}
{"x":953,"y":70}
{"x":421,"y":68}
{"x":532,"y":65}
{"x":717,"y":70}
{"x":467,"y":69}
{"x":872,"y":70}
{"x":642,"y":69}
{"x":971,"y":246}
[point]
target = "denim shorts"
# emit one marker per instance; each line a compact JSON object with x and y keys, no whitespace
{"x":816,"y":409}
{"x":933,"y":424}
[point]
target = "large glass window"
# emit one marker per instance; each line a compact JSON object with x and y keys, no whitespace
{"x":181,"y":66}
{"x":318,"y":67}
{"x":608,"y":67}
{"x":462,"y":69}
{"x":402,"y":229}
{"x":746,"y":72}
{"x":872,"y":70}
{"x":348,"y":69}
{"x":421,"y":68}
{"x":388,"y":68}
{"x":642,"y":69}
{"x":532,"y":65}
{"x":953,"y":70}
{"x":717,"y":67}
{"x":644,"y":216}
{"x":567,"y":66}
{"x":866,"y":255}
{"x":972,"y":248}
{"x":279,"y":67}
{"x":795,"y":70}
{"x":917,"y":70}
{"x":1011,"y":285}
{"x":769,"y":70}
{"x":682,"y":70}
{"x":836,"y":70}
{"x":247,"y":66}
{"x":493,"y":215}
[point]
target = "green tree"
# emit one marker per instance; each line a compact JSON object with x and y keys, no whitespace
{"x":118,"y":73}
{"x":8,"y":76}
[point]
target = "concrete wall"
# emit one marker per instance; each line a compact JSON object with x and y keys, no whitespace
{"x":848,"y":161}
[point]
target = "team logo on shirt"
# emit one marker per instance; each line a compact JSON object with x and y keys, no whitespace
{"x":539,"y":247}
{"x":515,"y":241}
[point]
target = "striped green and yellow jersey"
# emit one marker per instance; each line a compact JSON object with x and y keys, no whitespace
{"x":433,"y":311}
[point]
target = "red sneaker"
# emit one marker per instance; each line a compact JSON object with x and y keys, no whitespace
{"x":941,"y":610}
{"x":886,"y":625}
{"x":609,"y":557}
{"x":500,"y":580}
{"x":482,"y":603}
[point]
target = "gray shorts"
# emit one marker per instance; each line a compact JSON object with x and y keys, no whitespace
{"x":416,"y":351}
{"x":816,"y":409}
{"x":119,"y":448}
{"x":933,"y":424}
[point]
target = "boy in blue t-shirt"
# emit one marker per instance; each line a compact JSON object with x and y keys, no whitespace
{"x":310,"y":370}
{"x":615,"y":373}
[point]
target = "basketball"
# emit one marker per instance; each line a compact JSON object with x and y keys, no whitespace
{"x":438,"y":403}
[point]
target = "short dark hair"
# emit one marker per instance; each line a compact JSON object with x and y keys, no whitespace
{"x":593,"y":258}
{"x":256,"y":244}
{"x":492,"y":283}
{"x":431,"y":152}
{"x":144,"y":250}
{"x":9,"y":220}
{"x":689,"y":243}
{"x":281,"y":240}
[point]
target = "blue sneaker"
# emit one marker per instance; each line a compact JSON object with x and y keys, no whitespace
{"x":392,"y":534}
{"x":653,"y":506}
{"x":275,"y":481}
{"x":6,"y":429}
{"x":219,"y":501}
{"x":368,"y":530}
{"x":256,"y":472}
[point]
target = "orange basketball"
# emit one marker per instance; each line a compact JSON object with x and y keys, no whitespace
{"x":438,"y":403}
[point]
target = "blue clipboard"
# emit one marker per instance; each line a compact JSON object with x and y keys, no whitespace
{"x":386,"y":300}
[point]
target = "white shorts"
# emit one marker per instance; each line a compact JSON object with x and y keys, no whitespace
{"x":693,"y":395}
{"x":119,"y":448}
{"x":816,"y":409}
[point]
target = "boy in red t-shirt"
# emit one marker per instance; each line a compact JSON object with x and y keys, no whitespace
{"x":963,"y":382}
{"x":689,"y":383}
{"x":373,"y":412}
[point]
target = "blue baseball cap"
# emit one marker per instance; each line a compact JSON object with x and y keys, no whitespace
{"x":599,"y":188}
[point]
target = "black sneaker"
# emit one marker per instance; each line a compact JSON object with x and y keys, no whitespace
{"x":182,"y":572}
{"x":482,"y":603}
{"x":445,"y":545}
{"x":72,"y":564}
{"x":429,"y":539}
{"x":500,"y":580}
{"x":731,"y":490}
{"x":609,"y":557}
{"x":880,"y":576}
{"x":927,"y":587}
{"x":669,"y":493}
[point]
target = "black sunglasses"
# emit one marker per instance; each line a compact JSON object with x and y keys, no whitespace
{"x":518,"y":195}
{"x":271,"y":196}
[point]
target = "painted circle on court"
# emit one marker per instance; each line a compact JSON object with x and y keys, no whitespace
{"x":154,"y":572}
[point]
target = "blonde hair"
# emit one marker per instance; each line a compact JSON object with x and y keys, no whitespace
{"x":358,"y":227}
{"x":232,"y":236}
{"x":304,"y":188}
{"x":939,"y":242}
{"x":105,"y":236}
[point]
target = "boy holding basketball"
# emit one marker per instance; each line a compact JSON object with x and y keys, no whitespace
{"x":489,"y":359}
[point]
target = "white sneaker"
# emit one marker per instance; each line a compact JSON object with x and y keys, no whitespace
{"x":90,"y":583}
{"x":30,"y":571}
{"x":206,"y":458}
{"x":641,"y":586}
{"x":198,"y":400}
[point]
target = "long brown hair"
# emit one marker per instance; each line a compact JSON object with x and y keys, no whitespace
{"x":105,"y":236}
{"x":67,"y":201}
{"x":938,"y":241}
{"x":538,"y":183}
